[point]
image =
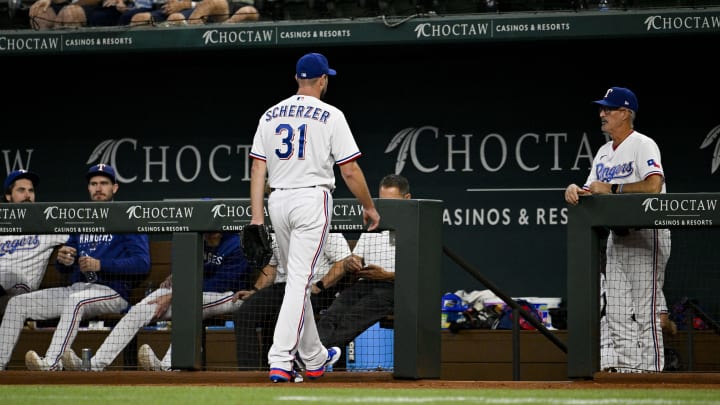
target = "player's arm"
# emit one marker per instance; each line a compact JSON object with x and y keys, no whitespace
{"x":336,"y":272}
{"x":257,"y":191}
{"x":375,"y":272}
{"x":135,"y":258}
{"x":355,"y":180}
{"x":651,"y":184}
{"x":265,"y":279}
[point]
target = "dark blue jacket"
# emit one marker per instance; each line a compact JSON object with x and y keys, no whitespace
{"x":124,"y":259}
{"x":225,"y":267}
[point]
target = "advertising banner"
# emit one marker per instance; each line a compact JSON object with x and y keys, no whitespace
{"x":496,"y":131}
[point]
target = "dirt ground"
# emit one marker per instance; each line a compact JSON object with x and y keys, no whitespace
{"x":353,"y":379}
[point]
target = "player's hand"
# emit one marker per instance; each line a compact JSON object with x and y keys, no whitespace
{"x":668,"y":325}
{"x":373,"y":272}
{"x":599,"y":187}
{"x":163,"y":304}
{"x":353,"y":264}
{"x":573,"y":193}
{"x":371,"y":218}
{"x":66,"y":255}
{"x":88,"y":263}
{"x":315,"y":290}
{"x":242,"y":295}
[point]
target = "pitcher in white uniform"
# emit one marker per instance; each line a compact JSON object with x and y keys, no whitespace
{"x":296,"y":144}
{"x":636,"y":258}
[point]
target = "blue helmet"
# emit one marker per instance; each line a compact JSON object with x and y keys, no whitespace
{"x":452,"y":303}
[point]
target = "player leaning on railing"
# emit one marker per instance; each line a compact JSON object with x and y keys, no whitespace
{"x":636,"y":258}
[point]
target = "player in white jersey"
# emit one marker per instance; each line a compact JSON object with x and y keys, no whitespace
{"x":23,"y":258}
{"x":636,"y":258}
{"x":297,"y":143}
{"x":262,"y":305}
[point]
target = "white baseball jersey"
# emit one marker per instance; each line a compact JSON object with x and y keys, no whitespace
{"x":336,"y":249}
{"x":24,"y":258}
{"x":377,"y":249}
{"x":295,"y":129}
{"x":637,"y":158}
{"x":301,"y":139}
{"x":631,"y":336}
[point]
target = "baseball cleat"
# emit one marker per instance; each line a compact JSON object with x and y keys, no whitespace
{"x":279,"y":375}
{"x":147,"y":359}
{"x":333,"y":356}
{"x":71,"y":361}
{"x":35,"y":363}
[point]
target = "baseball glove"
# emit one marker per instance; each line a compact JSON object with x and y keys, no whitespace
{"x":257,"y":245}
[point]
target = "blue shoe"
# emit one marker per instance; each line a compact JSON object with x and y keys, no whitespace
{"x":333,"y":356}
{"x":279,"y":375}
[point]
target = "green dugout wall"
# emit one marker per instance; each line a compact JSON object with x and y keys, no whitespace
{"x":418,"y":228}
{"x":417,"y":225}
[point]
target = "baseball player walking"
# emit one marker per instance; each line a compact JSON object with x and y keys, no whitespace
{"x":296,"y":144}
{"x":636,"y":258}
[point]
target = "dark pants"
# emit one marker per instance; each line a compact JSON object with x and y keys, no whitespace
{"x":357,"y":308}
{"x":255,"y":323}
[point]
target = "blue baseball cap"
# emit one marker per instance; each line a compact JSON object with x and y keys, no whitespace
{"x":101,"y":170}
{"x":617,"y":97}
{"x":313,"y":65}
{"x":20,"y":174}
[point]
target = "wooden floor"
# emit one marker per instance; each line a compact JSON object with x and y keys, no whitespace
{"x":371,"y":379}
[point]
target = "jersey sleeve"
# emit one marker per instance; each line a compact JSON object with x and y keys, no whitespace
{"x":336,"y":247}
{"x":132,"y":258}
{"x":648,"y":159}
{"x":257,"y":151}
{"x":360,"y":248}
{"x":343,"y":145}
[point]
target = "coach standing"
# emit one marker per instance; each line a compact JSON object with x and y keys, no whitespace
{"x":296,"y":144}
{"x":636,"y":258}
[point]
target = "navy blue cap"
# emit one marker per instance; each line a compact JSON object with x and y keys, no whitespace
{"x":313,"y":65}
{"x":20,"y":174}
{"x":101,"y":170}
{"x":617,"y":97}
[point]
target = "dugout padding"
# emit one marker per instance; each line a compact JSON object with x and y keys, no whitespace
{"x":587,"y":222}
{"x":417,"y":224}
